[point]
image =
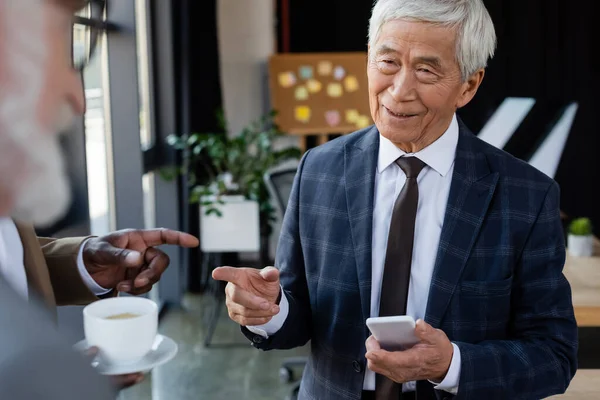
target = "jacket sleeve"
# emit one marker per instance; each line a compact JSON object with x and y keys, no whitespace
{"x":296,"y":330}
{"x":61,"y":258}
{"x":541,"y":359}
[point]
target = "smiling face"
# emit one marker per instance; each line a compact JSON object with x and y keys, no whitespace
{"x":415,"y":82}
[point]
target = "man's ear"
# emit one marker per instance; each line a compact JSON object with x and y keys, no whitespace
{"x":469,"y":88}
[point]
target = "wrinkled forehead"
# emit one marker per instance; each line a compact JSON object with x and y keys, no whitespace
{"x":416,"y":37}
{"x":59,"y":7}
{"x":71,"y":5}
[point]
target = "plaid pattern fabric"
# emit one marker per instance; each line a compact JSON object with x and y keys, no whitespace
{"x":497,"y":290}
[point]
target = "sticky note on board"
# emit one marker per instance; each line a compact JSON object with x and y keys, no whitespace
{"x":306,"y":72}
{"x":324,"y":68}
{"x":303,"y":113}
{"x":339,"y":73}
{"x":314,"y":86}
{"x":287,"y":79}
{"x":333,"y":118}
{"x":335,"y":90}
{"x":351,"y":83}
{"x":362,"y":122}
{"x":352,"y":116}
{"x":301,"y":93}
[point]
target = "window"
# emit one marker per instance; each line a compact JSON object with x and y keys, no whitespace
{"x":97,"y":160}
{"x":120,"y":126}
{"x":89,"y":50}
{"x":147,"y":137}
{"x":144,"y":72}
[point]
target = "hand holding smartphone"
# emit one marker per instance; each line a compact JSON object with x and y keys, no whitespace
{"x":393,"y":333}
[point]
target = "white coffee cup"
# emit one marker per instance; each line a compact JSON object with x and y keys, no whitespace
{"x":121,"y":341}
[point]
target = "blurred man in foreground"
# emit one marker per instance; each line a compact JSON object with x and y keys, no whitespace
{"x":40,"y":93}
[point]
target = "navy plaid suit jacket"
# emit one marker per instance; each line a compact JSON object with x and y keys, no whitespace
{"x":497,"y":289}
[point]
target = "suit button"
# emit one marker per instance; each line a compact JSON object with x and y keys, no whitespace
{"x":357,"y":366}
{"x":257,"y":339}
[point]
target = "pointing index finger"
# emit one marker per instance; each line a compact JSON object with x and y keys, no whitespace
{"x":157,"y":237}
{"x":227,"y":274}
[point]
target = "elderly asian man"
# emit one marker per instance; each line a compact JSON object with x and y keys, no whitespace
{"x":417,"y":216}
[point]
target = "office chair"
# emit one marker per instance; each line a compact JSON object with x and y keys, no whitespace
{"x":279,"y":183}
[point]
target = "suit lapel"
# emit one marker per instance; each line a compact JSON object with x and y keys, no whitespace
{"x":471,"y":191}
{"x":360,"y":163}
{"x":38,"y":278}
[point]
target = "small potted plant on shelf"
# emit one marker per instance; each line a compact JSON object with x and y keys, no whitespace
{"x":225,"y":178}
{"x":580,"y":240}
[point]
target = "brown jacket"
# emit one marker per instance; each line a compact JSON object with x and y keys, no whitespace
{"x":51,"y":268}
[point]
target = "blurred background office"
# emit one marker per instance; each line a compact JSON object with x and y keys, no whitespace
{"x":152,"y":148}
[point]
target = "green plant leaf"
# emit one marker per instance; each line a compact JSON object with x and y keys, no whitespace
{"x":222,"y":187}
{"x":193,"y":139}
{"x":197,"y":149}
{"x":215,"y":211}
{"x":169,"y":173}
{"x":246,"y":157}
{"x":581,"y":227}
{"x":194,"y":198}
{"x":177,"y":142}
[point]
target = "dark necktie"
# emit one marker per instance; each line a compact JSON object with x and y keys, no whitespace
{"x":398,"y":258}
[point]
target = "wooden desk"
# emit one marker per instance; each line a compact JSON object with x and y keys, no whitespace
{"x":583,"y":273}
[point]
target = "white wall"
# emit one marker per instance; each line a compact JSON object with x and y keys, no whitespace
{"x":246,"y":31}
{"x":246,"y":34}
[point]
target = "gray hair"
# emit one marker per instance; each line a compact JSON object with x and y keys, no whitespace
{"x":476,"y":37}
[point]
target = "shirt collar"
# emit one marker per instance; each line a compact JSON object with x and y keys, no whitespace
{"x":439,"y":155}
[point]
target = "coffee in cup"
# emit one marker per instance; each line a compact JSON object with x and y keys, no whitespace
{"x":122,"y":316}
{"x":123,"y":328}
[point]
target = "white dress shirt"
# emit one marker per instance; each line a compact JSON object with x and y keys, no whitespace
{"x":434,"y":187}
{"x":12,"y":266}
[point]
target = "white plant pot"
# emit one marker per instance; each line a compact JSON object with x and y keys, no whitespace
{"x":237,"y":230}
{"x":580,"y":246}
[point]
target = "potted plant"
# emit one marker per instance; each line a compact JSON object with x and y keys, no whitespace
{"x":580,"y":240}
{"x":225,"y":178}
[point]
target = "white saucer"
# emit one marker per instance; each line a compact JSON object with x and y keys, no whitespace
{"x":163,"y":350}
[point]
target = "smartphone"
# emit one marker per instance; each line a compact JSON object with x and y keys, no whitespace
{"x":393,"y":333}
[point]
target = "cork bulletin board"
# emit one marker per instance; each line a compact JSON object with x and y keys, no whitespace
{"x":320,"y":93}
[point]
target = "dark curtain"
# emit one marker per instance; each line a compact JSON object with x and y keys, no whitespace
{"x":545,"y":51}
{"x":198,"y":93}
